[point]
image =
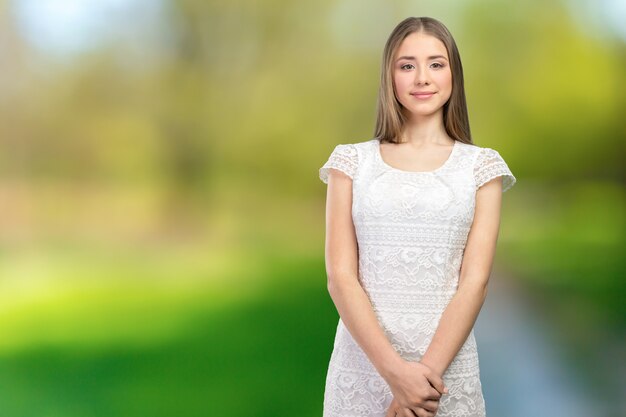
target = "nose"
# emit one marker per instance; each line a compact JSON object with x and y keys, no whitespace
{"x":421,"y":77}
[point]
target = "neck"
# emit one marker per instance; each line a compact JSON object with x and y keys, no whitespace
{"x":425,"y":129}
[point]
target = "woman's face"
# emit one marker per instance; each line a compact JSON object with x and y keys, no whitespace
{"x":421,"y":65}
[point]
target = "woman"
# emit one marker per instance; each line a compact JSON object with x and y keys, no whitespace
{"x":412,"y":220}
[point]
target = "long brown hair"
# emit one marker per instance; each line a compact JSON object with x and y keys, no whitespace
{"x":389,"y":117}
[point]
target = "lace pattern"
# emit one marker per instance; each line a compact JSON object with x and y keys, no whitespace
{"x":490,"y":165}
{"x":411,"y":228}
{"x":344,"y":158}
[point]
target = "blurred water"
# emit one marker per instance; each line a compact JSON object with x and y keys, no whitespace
{"x":521,"y":369}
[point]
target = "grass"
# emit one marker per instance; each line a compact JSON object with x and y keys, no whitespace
{"x":266,"y":356}
{"x":191,"y":334}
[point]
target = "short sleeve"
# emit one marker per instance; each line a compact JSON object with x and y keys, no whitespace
{"x":489,"y":165}
{"x":344,"y":158}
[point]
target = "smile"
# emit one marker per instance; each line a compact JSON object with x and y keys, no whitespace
{"x":423,"y":96}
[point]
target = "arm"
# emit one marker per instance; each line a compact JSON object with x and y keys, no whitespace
{"x":412,"y":384}
{"x":351,"y":301}
{"x":460,"y":315}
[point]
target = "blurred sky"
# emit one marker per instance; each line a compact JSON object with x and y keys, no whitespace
{"x":66,"y":27}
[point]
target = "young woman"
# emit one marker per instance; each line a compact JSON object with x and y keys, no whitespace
{"x":412,"y":220}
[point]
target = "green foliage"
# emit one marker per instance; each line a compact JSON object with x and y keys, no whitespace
{"x":266,"y":357}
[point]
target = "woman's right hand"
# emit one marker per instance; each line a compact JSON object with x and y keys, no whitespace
{"x":416,"y":387}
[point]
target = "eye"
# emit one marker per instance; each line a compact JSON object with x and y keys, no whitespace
{"x":439,"y":65}
{"x":405,"y":65}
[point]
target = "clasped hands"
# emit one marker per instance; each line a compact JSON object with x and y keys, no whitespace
{"x":416,"y":390}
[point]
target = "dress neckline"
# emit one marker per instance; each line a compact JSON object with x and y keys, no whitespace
{"x":445,"y":164}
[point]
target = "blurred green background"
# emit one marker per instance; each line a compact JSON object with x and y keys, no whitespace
{"x":162,"y":219}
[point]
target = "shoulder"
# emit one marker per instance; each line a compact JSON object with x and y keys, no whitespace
{"x":488,"y":164}
{"x":363,"y":146}
{"x":356,"y":151}
{"x":348,"y":158}
{"x":472,"y":149}
{"x":484,"y":154}
{"x":478,"y":153}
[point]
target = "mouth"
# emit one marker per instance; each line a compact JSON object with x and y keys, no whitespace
{"x":423,"y":95}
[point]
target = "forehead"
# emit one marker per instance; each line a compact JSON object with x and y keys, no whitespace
{"x":421,"y":45}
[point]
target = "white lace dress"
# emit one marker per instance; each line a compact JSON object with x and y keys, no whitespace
{"x":411,"y":229}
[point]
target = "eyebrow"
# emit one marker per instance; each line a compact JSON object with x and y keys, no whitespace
{"x":412,"y":58}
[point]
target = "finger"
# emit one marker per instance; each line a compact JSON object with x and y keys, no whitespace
{"x":420,"y":412}
{"x":433,"y":394}
{"x":407,"y":412}
{"x":430,"y":405}
{"x":437,"y":383}
{"x":425,"y":413}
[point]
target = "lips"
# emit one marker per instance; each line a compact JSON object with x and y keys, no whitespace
{"x":423,"y":94}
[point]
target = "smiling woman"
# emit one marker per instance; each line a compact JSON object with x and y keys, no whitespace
{"x":426,"y":78}
{"x":411,"y":228}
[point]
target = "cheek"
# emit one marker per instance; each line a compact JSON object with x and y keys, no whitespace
{"x":403,"y":84}
{"x":445,"y":79}
{"x":398,"y":81}
{"x":404,"y":77}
